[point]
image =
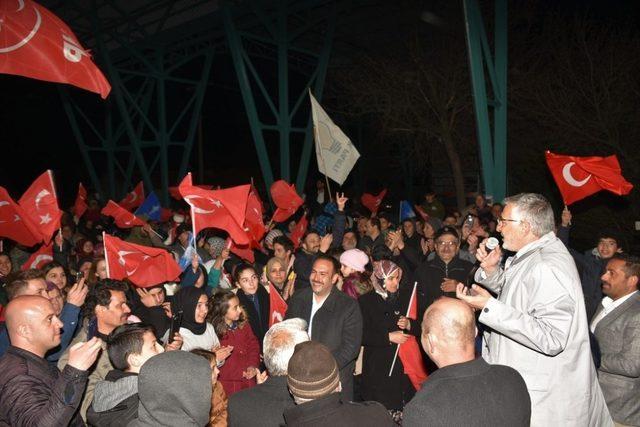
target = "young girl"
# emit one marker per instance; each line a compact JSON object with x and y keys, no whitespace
{"x":356,"y":278}
{"x":230,"y":324}
{"x":219,"y":401}
{"x":254,"y":299}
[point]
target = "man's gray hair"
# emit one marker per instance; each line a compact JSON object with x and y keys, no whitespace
{"x":534,"y":209}
{"x":279,"y":343}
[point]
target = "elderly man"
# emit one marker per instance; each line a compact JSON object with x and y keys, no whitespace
{"x":616,"y":326}
{"x":334,"y":319}
{"x":31,"y":391}
{"x":264,"y":404}
{"x":493,"y":395}
{"x":537,"y":324}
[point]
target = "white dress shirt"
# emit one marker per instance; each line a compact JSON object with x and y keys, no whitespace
{"x":608,"y":306}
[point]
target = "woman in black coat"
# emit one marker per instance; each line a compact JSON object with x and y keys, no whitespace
{"x":385,"y":326}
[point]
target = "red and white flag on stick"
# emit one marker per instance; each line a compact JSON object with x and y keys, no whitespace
{"x":409,"y":352}
{"x":579,"y":177}
{"x":36,"y":43}
{"x":372,"y":202}
{"x":15,"y":224}
{"x":40,"y":204}
{"x":141,"y":265}
{"x":286,"y":199}
{"x":277,"y":306}
{"x":298,"y":231}
{"x":39,"y":258}
{"x":133,"y":199}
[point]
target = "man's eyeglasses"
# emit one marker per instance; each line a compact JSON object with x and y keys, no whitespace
{"x":441,"y":243}
{"x":501,"y":220}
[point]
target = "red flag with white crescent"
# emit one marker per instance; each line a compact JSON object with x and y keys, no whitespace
{"x":579,"y":177}
{"x":133,"y":199}
{"x":15,"y":224}
{"x":36,"y":43}
{"x":223,"y":209}
{"x":277,"y":307}
{"x":372,"y":202}
{"x":39,"y":258}
{"x":40,"y":204}
{"x":409,"y":352}
{"x":141,"y":265}
{"x":298,"y":231}
{"x":253,"y":222}
{"x":123,"y":218}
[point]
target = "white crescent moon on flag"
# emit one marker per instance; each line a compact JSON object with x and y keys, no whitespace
{"x":566,"y":174}
{"x":40,"y":258}
{"x":195,"y":208}
{"x":29,"y":36}
{"x":41,"y":195}
{"x":134,"y":196}
{"x":276,"y":316}
{"x":3,"y":202}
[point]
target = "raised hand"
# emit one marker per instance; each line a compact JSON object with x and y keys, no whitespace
{"x":83,"y":355}
{"x":341,"y":201}
{"x":78,"y":293}
{"x":488,"y":260}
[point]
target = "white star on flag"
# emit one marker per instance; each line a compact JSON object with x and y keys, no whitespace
{"x":45,"y":219}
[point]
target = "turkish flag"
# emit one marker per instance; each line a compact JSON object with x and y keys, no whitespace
{"x":409,"y":352}
{"x":123,"y":218}
{"x":15,"y":224}
{"x":36,"y":43}
{"x":372,"y":202}
{"x":298,"y":232}
{"x":286,"y":199}
{"x":224,"y":209}
{"x":40,"y":204}
{"x":579,"y":177}
{"x":39,"y":258}
{"x":253,"y":218}
{"x":277,"y":307}
{"x":141,"y":265}
{"x":175,"y":191}
{"x":133,"y":199}
{"x":80,"y":206}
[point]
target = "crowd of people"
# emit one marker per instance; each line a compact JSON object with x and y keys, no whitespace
{"x":531,"y":332}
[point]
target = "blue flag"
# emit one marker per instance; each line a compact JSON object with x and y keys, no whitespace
{"x":406,"y":211}
{"x":185,"y":259}
{"x":150,"y":207}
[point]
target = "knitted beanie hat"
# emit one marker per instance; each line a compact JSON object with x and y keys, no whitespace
{"x":268,"y":239}
{"x":312,"y":372}
{"x":355,"y":259}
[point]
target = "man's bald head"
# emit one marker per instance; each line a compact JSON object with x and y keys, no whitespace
{"x":32,"y":324}
{"x":448,"y":330}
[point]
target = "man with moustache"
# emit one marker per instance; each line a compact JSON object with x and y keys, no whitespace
{"x":537,"y":323}
{"x":31,"y":391}
{"x":334,"y":319}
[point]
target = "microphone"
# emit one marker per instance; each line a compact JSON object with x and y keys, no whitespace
{"x":490,"y":245}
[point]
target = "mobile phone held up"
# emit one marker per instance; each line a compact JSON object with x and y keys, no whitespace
{"x":176,"y":322}
{"x":469,"y":221}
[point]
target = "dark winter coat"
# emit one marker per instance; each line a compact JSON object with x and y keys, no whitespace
{"x":262,"y":405}
{"x":259,"y":323}
{"x":379,"y":318}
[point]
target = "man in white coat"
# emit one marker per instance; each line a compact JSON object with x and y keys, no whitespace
{"x":537,"y":324}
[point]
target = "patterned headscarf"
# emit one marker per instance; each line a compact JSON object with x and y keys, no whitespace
{"x":382,"y":270}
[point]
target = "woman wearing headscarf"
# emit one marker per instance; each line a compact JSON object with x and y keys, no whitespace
{"x":196,"y":332}
{"x":384,"y":328}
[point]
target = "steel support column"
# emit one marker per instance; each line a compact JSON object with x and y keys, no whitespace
{"x":492,"y":142}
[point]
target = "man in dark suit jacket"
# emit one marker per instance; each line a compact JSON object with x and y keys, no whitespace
{"x":616,"y":326}
{"x":334,"y":318}
{"x":264,"y":404}
{"x":464,"y":390}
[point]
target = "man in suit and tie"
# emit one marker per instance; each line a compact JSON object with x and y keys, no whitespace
{"x":616,"y":326}
{"x":334,"y":318}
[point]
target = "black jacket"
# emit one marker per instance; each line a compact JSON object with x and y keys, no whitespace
{"x":380,"y":317}
{"x":259,"y":323}
{"x":337,"y":324}
{"x":262,"y":405}
{"x":32,"y":392}
{"x":332,"y":411}
{"x":472,"y":393}
{"x":123,"y":409}
{"x":430,"y":275}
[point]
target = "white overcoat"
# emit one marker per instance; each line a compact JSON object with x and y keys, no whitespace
{"x":538,"y":326}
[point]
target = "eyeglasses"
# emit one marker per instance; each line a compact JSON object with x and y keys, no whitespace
{"x":440,"y":243}
{"x":501,"y":220}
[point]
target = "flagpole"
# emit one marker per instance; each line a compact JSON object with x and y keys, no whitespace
{"x":317,"y":138}
{"x":193,"y":228}
{"x":55,"y":195}
{"x":413,"y":294}
{"x":106,"y":259}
